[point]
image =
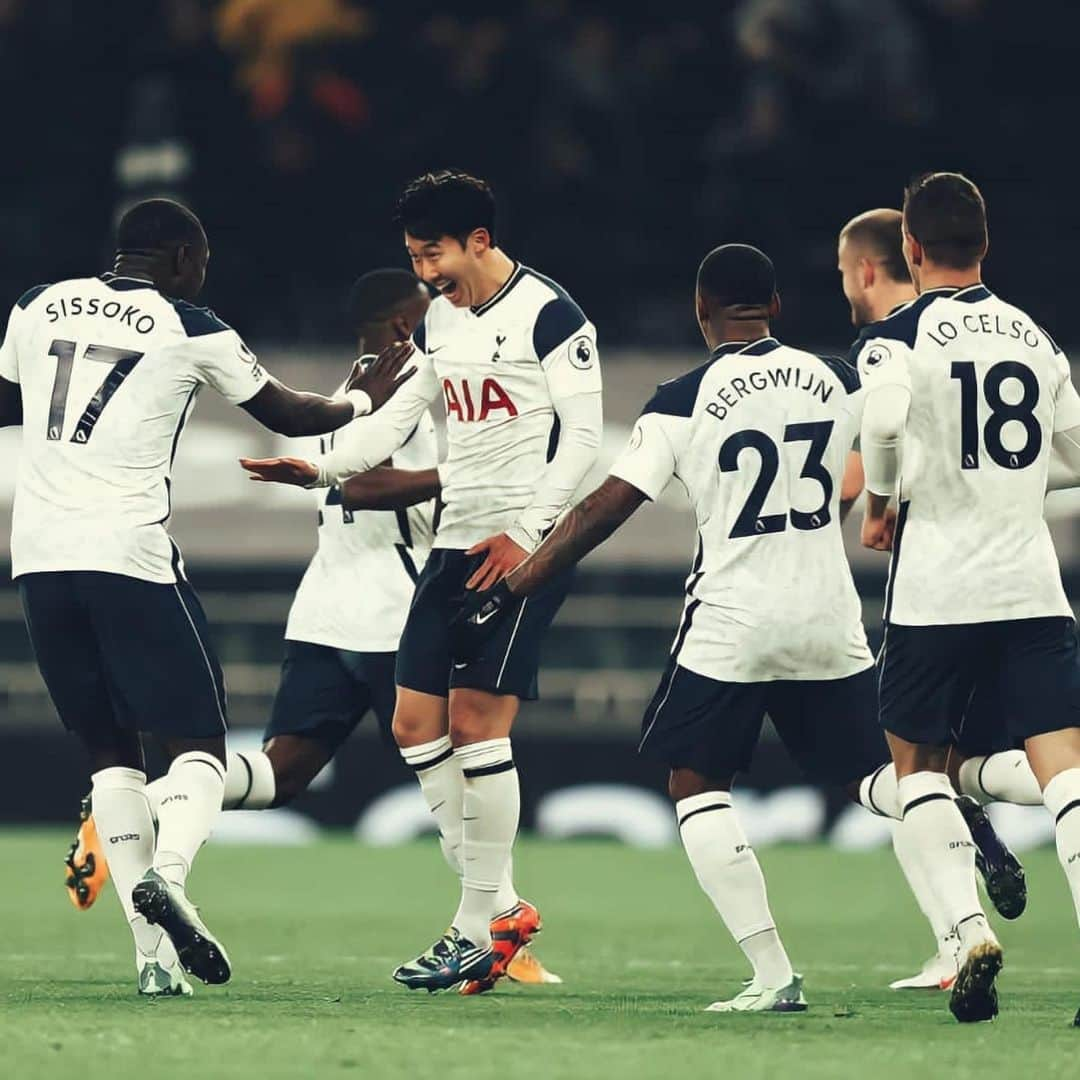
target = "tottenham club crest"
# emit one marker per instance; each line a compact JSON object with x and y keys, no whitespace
{"x":877,"y":354}
{"x":582,"y":351}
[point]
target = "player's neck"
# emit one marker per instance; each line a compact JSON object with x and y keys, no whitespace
{"x":739,"y":331}
{"x":495,"y":272}
{"x":129,"y":267}
{"x":945,"y":277}
{"x":890,"y":298}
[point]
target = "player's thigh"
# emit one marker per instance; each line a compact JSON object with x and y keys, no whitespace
{"x":373,"y":677}
{"x":703,"y":725}
{"x":160,"y":661}
{"x":317,"y":697}
{"x":926,"y":675}
{"x":1039,"y":676}
{"x":510,"y":661}
{"x":296,"y":761}
{"x":66,"y":649}
{"x":830,"y":726}
{"x":423,"y":658}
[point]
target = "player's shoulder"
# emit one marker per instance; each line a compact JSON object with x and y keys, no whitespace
{"x":678,"y":396}
{"x":32,"y":294}
{"x":556,"y":315}
{"x":841,"y":369}
{"x":198,"y":322}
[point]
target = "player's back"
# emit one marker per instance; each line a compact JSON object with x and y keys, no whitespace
{"x":109,"y":369}
{"x":770,"y":595}
{"x":971,"y":543}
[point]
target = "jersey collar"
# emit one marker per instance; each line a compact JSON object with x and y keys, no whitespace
{"x":121,"y":282}
{"x":515,"y":276}
{"x":969,"y":294}
{"x":749,"y":348}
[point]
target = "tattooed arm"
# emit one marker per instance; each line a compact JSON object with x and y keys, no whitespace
{"x":585,"y":527}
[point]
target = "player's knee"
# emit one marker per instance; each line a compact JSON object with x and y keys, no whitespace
{"x":410,"y":729}
{"x":470,"y":724}
{"x":682,"y":783}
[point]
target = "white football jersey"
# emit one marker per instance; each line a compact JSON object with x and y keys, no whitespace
{"x":988,"y":390}
{"x":759,"y":436}
{"x":501,"y":370}
{"x":109,"y":371}
{"x":356,"y":591}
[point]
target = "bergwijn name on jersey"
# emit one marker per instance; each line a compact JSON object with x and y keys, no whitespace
{"x":759,"y":436}
{"x":989,"y":388}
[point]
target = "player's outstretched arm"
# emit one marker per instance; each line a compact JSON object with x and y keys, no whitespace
{"x":585,"y":527}
{"x":387,"y":488}
{"x":10,"y":403}
{"x":295,"y":412}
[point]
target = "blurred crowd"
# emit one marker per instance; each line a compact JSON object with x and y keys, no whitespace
{"x":623,"y":142}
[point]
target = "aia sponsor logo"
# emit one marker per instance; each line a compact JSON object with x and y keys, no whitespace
{"x":464,"y":403}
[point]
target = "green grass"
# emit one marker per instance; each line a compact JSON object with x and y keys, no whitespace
{"x":314,"y":932}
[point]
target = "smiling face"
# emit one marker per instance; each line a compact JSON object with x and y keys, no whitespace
{"x":856,"y":275}
{"x":448,"y":265}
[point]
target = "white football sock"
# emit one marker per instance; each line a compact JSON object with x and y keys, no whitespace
{"x":727,"y":869}
{"x":491,"y":809}
{"x":936,"y":840}
{"x":924,"y":894}
{"x":1062,"y":798}
{"x":443,"y":786}
{"x":507,"y":896}
{"x":1004,"y":777}
{"x":250,"y":783}
{"x":878,"y":792}
{"x":126,"y":831}
{"x":190,"y":804}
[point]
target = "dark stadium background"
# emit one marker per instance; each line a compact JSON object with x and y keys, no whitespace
{"x":623,"y":142}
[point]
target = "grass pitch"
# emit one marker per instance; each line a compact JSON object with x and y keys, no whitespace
{"x":314,"y":932}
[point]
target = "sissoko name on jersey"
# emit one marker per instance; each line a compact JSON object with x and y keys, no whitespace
{"x":758,"y":436}
{"x":989,"y":389}
{"x":109,"y":370}
{"x":356,"y":591}
{"x":519,"y":377}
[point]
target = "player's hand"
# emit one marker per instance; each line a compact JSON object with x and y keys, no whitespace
{"x":480,"y":615}
{"x":503,"y":555}
{"x":383,"y":377}
{"x":878,"y":529}
{"x":281,"y":470}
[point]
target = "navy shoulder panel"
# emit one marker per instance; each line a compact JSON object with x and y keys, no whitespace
{"x":419,"y":335}
{"x":678,"y":396}
{"x":1053,"y":343}
{"x":845,"y":370}
{"x":559,"y":319}
{"x":198,"y":321}
{"x":30,"y":296}
{"x":902,"y":325}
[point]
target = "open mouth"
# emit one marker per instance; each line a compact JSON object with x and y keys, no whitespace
{"x":449,"y":289}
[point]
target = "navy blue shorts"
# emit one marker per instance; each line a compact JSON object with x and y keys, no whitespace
{"x":117,"y":652}
{"x":985,"y":685}
{"x":325,"y":692}
{"x":828,"y":726}
{"x":511,"y":657}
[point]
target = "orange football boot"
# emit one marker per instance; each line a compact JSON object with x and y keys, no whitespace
{"x":87,"y":868}
{"x":510,"y":933}
{"x":525,"y":968}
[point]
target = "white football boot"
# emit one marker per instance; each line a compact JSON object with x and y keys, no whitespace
{"x":757,"y":998}
{"x":158,"y":977}
{"x":938,"y":973}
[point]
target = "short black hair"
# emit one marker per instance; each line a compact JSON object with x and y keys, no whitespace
{"x":882,"y":231}
{"x":155,"y":225}
{"x":377,"y":294}
{"x":946,"y":213}
{"x":446,"y":203}
{"x":737,"y":274}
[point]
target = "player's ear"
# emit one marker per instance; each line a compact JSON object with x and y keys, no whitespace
{"x":914,"y":249}
{"x":774,"y":306}
{"x":866,"y":272}
{"x":479,"y":241}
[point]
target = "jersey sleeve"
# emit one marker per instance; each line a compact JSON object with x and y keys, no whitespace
{"x":565,"y":345}
{"x":883,"y":362}
{"x":224,"y":362}
{"x":649,"y":460}
{"x":9,"y":363}
{"x":1066,"y":400}
{"x":369,"y":440}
